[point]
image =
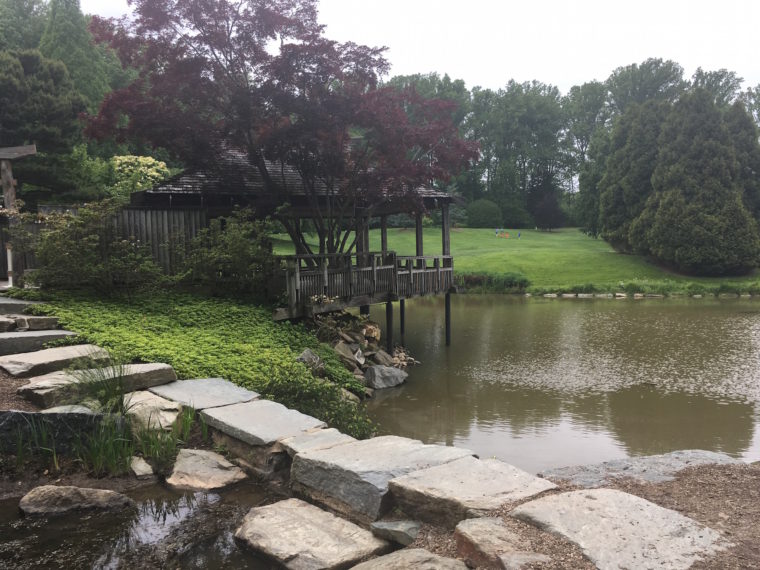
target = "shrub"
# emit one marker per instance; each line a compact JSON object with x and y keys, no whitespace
{"x":484,"y":214}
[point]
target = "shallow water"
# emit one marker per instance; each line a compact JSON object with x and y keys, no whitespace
{"x":167,"y":530}
{"x":543,"y":383}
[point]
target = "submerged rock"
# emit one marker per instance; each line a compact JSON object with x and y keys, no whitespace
{"x":378,"y":377}
{"x":53,"y":500}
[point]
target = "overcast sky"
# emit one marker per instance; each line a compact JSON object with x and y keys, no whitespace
{"x":562,"y":42}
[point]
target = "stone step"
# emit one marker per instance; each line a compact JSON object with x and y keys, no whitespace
{"x":18,"y":342}
{"x":316,"y":439}
{"x":408,"y":558}
{"x":202,"y":393}
{"x":34,"y":323}
{"x":149,"y":410}
{"x":203,"y":470}
{"x":10,"y":306}
{"x":301,"y":536}
{"x":446,"y":494}
{"x":353,"y":478}
{"x":67,"y":387}
{"x":52,"y":359}
{"x":618,"y":530}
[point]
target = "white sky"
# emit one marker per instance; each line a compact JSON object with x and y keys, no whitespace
{"x":562,"y":42}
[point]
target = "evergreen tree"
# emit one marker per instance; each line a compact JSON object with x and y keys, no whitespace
{"x":744,"y":136}
{"x":21,"y":23}
{"x":696,"y":220}
{"x":67,"y":38}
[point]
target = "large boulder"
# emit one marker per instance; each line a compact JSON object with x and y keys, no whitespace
{"x":301,"y":536}
{"x":151,"y":411}
{"x":53,"y":500}
{"x":377,"y":377}
{"x":199,"y":469}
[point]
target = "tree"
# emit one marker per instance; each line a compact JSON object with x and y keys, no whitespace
{"x":21,"y":23}
{"x":724,"y":85}
{"x":695,"y":221}
{"x":651,"y":79}
{"x":261,"y":76}
{"x":66,"y":38}
{"x":744,"y":136}
{"x":586,"y":109}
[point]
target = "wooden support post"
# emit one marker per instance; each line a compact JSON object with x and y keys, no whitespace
{"x":402,"y":318}
{"x":384,"y":236}
{"x":445,"y":230}
{"x":374,"y":274}
{"x":448,"y":319}
{"x":389,"y":327}
{"x":437,"y":265}
{"x":325,"y":281}
{"x":291,"y":277}
{"x":418,"y":234}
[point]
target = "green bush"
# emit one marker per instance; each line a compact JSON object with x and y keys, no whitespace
{"x":484,"y":214}
{"x":488,"y":283}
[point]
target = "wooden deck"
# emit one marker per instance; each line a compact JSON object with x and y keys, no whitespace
{"x":322,"y":283}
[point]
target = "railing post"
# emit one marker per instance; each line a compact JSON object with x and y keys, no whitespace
{"x":411,"y":277}
{"x":350,"y":274}
{"x":325,"y":283}
{"x":291,"y":279}
{"x":437,"y":275}
{"x":374,"y":274}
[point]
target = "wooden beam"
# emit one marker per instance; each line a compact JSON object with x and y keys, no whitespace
{"x":418,"y":234}
{"x":384,"y":234}
{"x":445,"y":230}
{"x":389,"y":327}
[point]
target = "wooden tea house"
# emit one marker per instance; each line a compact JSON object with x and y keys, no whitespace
{"x":318,"y":283}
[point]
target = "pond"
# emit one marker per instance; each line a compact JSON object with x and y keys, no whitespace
{"x":543,"y":383}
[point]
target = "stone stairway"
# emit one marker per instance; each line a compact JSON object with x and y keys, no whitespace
{"x":345,"y":485}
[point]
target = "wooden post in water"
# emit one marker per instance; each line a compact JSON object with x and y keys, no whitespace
{"x":402,"y":318}
{"x":448,"y":318}
{"x":389,"y":327}
{"x":446,"y":251}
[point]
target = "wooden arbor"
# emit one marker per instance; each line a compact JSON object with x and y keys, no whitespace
{"x":7,"y":155}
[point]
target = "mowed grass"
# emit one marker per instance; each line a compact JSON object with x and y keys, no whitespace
{"x":561,"y":259}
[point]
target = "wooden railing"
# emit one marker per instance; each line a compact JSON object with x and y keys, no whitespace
{"x":320,"y":279}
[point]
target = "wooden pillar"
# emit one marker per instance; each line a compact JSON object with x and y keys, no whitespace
{"x":445,"y":230}
{"x":418,"y":234}
{"x":402,"y":318}
{"x":384,"y":234}
{"x":389,"y":327}
{"x":448,"y":319}
{"x":8,"y":183}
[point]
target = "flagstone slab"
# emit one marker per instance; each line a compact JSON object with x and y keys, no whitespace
{"x":467,"y":487}
{"x":28,"y":341}
{"x":416,"y":558}
{"x":52,"y":359}
{"x":61,"y":387}
{"x":301,"y":536}
{"x":314,"y":440}
{"x":150,"y":410}
{"x":202,"y":393}
{"x":10,"y":306}
{"x":618,"y":530}
{"x":353,"y":478}
{"x":650,"y":468}
{"x":260,"y":422}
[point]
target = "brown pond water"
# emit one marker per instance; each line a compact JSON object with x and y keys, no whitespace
{"x":543,"y":383}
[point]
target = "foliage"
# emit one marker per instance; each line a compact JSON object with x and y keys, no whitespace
{"x":21,"y":23}
{"x":108,"y":450}
{"x":134,"y":173}
{"x":103,"y":384}
{"x":492,"y":283}
{"x":233,"y":255}
{"x":204,"y":337}
{"x":652,"y":79}
{"x":84,"y":251}
{"x":483,"y":214}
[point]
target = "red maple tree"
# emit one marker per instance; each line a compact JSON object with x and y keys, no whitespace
{"x":261,"y":75}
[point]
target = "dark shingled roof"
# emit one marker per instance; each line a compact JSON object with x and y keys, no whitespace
{"x":14,"y":152}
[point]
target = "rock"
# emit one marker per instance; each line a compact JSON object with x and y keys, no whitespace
{"x":482,"y":541}
{"x":416,"y":558}
{"x":312,"y":362}
{"x":16,"y":342}
{"x":617,"y":530}
{"x":651,"y":468}
{"x":446,"y":494}
{"x":621,"y":295}
{"x":202,"y":393}
{"x":654,"y":296}
{"x":347,"y":355}
{"x":10,"y":306}
{"x":31,"y":323}
{"x":350,"y":396}
{"x":316,"y":439}
{"x":519,"y":560}
{"x":52,"y":500}
{"x":301,"y":536}
{"x":369,"y":392}
{"x":550,"y":295}
{"x":7,"y":324}
{"x":52,"y":359}
{"x":568,"y":295}
{"x":383,"y":358}
{"x":379,"y":377}
{"x":638,"y":295}
{"x":66,"y":387}
{"x":371,"y":332}
{"x":150,"y":410}
{"x":199,"y":469}
{"x":260,"y":422}
{"x":70,"y":409}
{"x":353,"y":478}
{"x":696,"y":296}
{"x":401,"y":532}
{"x":585,"y":295}
{"x":604,"y":295}
{"x":140,"y":468}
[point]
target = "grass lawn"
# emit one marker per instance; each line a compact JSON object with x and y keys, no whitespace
{"x":562,"y":259}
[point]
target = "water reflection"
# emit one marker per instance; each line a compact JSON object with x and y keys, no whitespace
{"x":544,"y":383}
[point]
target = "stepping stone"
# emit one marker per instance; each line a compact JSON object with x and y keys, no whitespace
{"x":70,"y":409}
{"x":353,"y":478}
{"x":204,"y":393}
{"x":53,"y":500}
{"x":313,"y":440}
{"x":416,"y":558}
{"x":301,"y":536}
{"x":481,"y":542}
{"x":151,"y":411}
{"x":140,"y":468}
{"x":66,"y":387}
{"x":618,"y":530}
{"x":401,"y":532}
{"x":651,"y":468}
{"x":52,"y":359}
{"x":199,"y":469}
{"x":16,"y":342}
{"x":261,"y":422}
{"x":10,"y":306}
{"x":446,"y":494}
{"x":33,"y":323}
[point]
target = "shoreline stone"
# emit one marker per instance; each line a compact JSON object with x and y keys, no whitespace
{"x":200,"y":469}
{"x":51,"y":500}
{"x":202,"y":393}
{"x":408,"y":558}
